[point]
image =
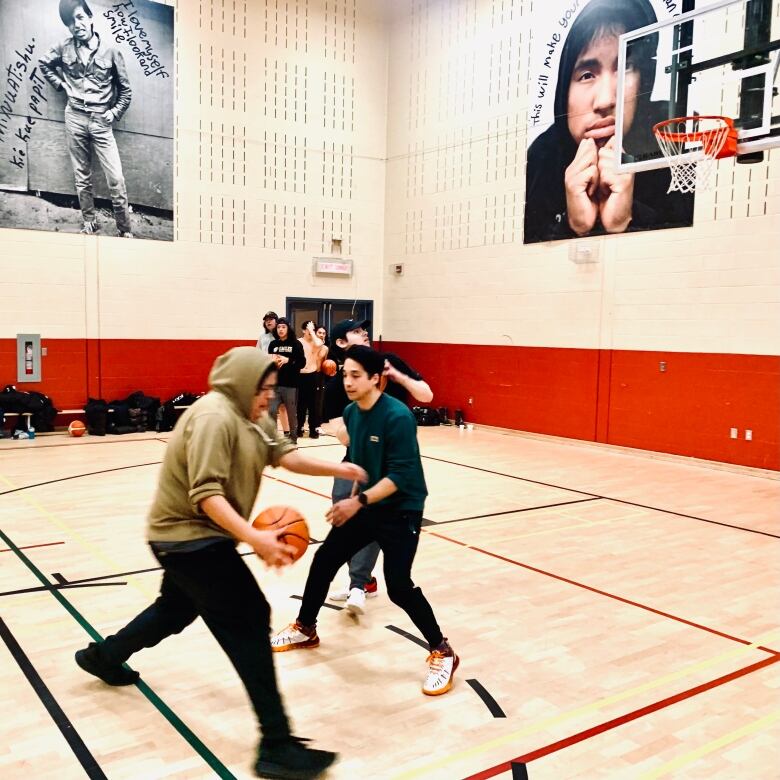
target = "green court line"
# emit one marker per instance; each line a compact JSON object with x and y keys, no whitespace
{"x":219,"y":768}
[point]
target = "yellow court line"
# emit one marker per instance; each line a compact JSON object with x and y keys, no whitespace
{"x":534,"y":728}
{"x":76,"y":536}
{"x":711,"y":747}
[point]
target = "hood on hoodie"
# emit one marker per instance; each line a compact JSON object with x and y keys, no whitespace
{"x":599,"y":15}
{"x":237,"y":373}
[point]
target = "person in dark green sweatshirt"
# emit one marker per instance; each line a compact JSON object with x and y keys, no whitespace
{"x":207,"y":487}
{"x":381,"y":435}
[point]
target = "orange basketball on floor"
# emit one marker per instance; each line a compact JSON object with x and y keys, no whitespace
{"x":329,"y":367}
{"x":296,"y":532}
{"x":77,"y":428}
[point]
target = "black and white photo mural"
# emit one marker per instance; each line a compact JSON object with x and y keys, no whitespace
{"x":86,"y":117}
{"x":572,"y":189}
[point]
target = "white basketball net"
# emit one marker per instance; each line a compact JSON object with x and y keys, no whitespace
{"x":691,"y":146}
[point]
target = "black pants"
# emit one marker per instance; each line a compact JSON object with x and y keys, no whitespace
{"x":307,"y":403}
{"x":215,"y":584}
{"x":398,"y":533}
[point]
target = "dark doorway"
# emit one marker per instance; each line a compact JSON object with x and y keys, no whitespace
{"x":327,"y":312}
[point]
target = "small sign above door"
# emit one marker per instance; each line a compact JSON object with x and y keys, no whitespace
{"x":327,"y":266}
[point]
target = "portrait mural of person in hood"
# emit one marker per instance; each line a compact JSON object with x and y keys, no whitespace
{"x":572,"y":188}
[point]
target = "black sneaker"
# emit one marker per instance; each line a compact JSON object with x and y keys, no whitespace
{"x":113,"y":674}
{"x":291,"y":760}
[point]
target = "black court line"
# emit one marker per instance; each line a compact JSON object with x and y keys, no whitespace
{"x":519,"y":771}
{"x":178,"y":724}
{"x":79,"y":476}
{"x":512,"y":476}
{"x":59,"y":586}
{"x":511,"y":511}
{"x":691,"y":517}
{"x":32,"y":546}
{"x":61,"y":720}
{"x":329,"y":606}
{"x":477,"y":687}
{"x":63,"y":583}
{"x":606,"y":498}
{"x":410,"y":637}
{"x":490,"y":702}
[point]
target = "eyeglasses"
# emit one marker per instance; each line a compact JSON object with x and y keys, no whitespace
{"x":266,"y":389}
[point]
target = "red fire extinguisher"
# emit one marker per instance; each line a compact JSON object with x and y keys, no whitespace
{"x":28,"y":357}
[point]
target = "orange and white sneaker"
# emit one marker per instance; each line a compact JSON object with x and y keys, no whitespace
{"x":442,"y":663}
{"x":294,"y":637}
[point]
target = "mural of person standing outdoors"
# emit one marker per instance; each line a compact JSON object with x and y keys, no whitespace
{"x":572,"y":188}
{"x":94,"y":77}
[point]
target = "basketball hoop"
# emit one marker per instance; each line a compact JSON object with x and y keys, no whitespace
{"x":691,"y":144}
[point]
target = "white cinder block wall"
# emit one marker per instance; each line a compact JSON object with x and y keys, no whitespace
{"x":280,"y":132}
{"x":457,"y":118}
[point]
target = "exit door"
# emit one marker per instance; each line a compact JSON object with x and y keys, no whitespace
{"x":326,"y":312}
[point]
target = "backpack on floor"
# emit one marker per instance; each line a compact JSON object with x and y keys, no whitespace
{"x":425,"y":415}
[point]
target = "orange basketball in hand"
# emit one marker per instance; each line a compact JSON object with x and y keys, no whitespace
{"x":296,"y":532}
{"x":77,"y":428}
{"x":329,"y":367}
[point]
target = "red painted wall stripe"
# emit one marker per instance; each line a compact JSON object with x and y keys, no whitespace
{"x":613,"y":396}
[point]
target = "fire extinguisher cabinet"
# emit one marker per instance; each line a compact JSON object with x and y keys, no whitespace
{"x":28,"y":357}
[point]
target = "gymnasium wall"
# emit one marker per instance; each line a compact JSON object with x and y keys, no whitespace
{"x":537,"y":341}
{"x":280,"y":148}
{"x":399,"y":129}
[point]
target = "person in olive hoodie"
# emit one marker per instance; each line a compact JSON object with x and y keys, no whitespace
{"x":207,"y":487}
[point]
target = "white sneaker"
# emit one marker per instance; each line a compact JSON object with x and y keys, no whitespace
{"x":292,"y":638}
{"x":441,"y":668}
{"x":339,"y":595}
{"x":342,"y":595}
{"x":357,"y":601}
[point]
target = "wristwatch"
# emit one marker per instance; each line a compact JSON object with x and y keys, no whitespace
{"x":362,"y":499}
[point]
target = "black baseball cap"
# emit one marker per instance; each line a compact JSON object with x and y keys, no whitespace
{"x":270,"y":315}
{"x":340,"y":329}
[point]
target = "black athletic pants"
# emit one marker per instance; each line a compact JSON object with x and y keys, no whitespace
{"x":398,"y":532}
{"x":215,"y":584}
{"x":307,"y":403}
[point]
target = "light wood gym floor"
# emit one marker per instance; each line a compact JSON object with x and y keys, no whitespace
{"x":616,"y":614}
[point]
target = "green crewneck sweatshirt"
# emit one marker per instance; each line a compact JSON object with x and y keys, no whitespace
{"x":383,"y":440}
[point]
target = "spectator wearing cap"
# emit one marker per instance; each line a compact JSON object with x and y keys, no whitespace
{"x":402,"y":381}
{"x":270,"y":319}
{"x":287,"y":353}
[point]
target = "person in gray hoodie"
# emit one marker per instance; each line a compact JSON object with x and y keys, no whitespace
{"x":207,"y":487}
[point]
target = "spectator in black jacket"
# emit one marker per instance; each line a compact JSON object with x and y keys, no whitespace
{"x":288,"y":355}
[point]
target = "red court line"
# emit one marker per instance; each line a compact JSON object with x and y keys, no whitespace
{"x":292,"y":484}
{"x":554,"y":747}
{"x":609,"y":595}
{"x":31,"y":546}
